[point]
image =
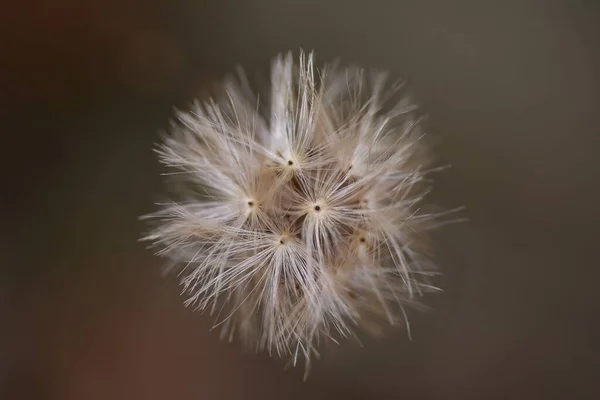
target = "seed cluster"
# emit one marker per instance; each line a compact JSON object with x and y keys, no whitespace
{"x":299,"y":222}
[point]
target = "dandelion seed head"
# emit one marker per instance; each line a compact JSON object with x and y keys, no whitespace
{"x":299,"y":219}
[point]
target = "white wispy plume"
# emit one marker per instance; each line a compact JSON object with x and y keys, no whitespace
{"x":299,"y":223}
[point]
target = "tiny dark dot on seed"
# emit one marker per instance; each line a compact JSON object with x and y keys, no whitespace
{"x":362,"y":240}
{"x":290,"y":162}
{"x":317,"y":208}
{"x":250,"y":203}
{"x":281,"y":241}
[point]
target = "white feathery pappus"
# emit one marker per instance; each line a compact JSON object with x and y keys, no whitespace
{"x":298,"y":220}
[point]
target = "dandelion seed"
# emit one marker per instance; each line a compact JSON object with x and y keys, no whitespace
{"x":299,"y":226}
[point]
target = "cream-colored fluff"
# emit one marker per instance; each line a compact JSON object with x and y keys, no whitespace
{"x":299,"y":223}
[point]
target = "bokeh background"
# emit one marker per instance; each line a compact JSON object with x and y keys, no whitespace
{"x":512,"y":90}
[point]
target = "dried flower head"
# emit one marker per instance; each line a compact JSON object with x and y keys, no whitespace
{"x":299,"y":223}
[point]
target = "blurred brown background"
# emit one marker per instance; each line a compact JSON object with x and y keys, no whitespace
{"x":512,"y":88}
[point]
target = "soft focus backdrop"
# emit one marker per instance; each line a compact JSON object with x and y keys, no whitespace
{"x":512,"y":89}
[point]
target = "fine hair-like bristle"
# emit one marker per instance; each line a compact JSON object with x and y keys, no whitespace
{"x":299,"y":223}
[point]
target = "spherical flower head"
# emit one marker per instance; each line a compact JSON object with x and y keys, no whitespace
{"x":297,"y":221}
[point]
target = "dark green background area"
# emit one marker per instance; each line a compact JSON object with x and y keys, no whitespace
{"x":512,"y":89}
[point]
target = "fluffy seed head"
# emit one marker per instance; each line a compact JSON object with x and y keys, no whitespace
{"x":297,"y":221}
